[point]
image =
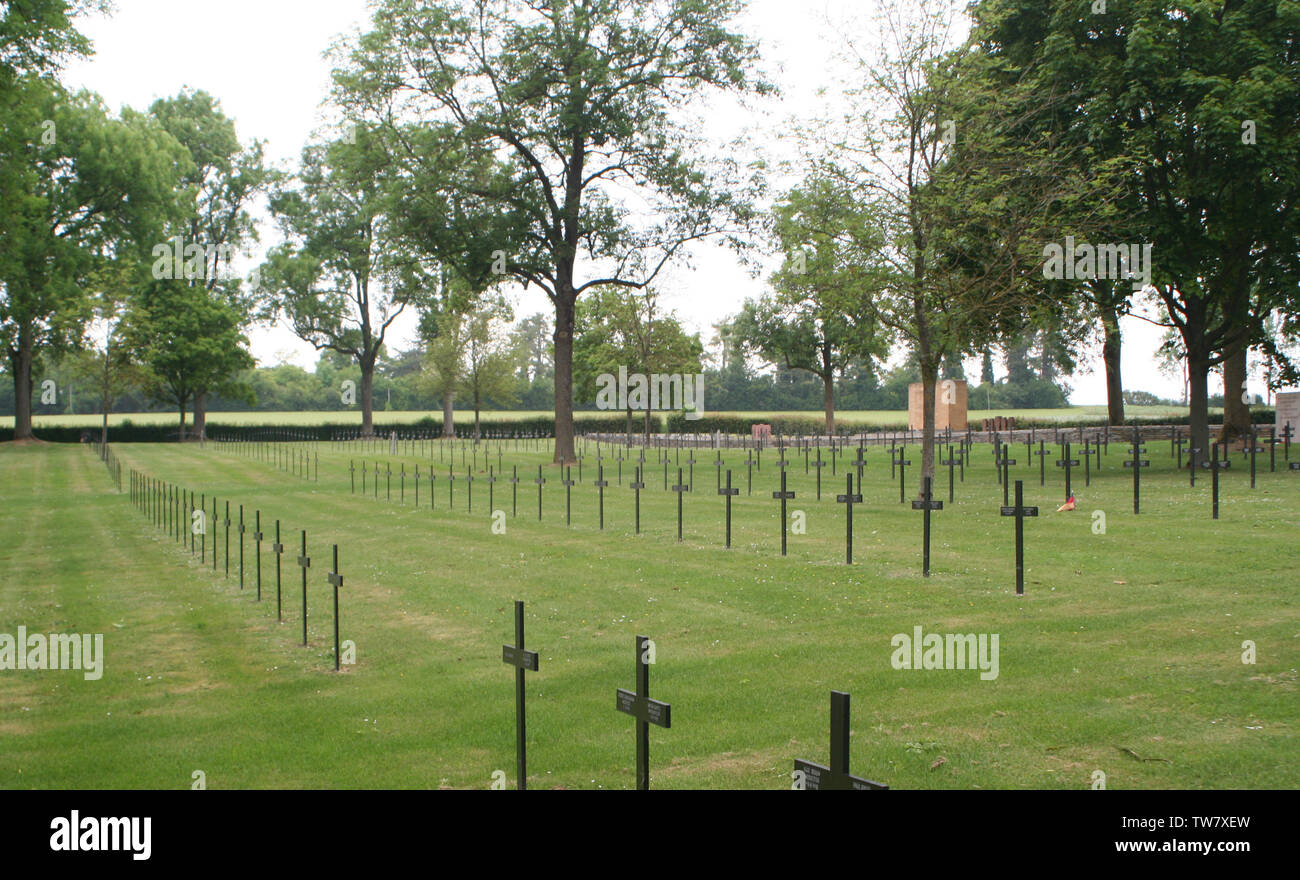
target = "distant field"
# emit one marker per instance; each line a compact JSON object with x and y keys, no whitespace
{"x":871,"y":417}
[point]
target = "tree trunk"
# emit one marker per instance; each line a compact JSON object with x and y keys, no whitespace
{"x":200,"y":415}
{"x":448,"y":415}
{"x":929,"y":383}
{"x":1111,"y":348}
{"x":828,"y":393}
{"x":564,"y":314}
{"x":367,"y":397}
{"x":1198,"y":371}
{"x":106,"y":391}
{"x":21,"y":362}
{"x":1236,"y":414}
{"x":180,"y":435}
{"x":477,"y":403}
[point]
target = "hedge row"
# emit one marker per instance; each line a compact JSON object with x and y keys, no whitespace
{"x":545,"y":427}
{"x":127,"y":432}
{"x":677,"y":424}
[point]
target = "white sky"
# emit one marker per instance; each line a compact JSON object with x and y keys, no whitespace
{"x":262,"y":59}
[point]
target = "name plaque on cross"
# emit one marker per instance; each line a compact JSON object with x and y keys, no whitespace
{"x":646,"y":711}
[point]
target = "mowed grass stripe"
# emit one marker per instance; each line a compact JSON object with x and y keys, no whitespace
{"x":749,"y":643}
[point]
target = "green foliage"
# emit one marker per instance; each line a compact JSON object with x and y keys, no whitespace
{"x":549,"y":131}
{"x":82,"y":190}
{"x":190,"y":341}
{"x":623,"y":328}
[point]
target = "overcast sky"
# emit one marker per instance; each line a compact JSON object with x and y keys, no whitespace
{"x":262,"y":59}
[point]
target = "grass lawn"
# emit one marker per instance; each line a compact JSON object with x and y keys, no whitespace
{"x":1124,"y":656}
{"x":1069,"y":415}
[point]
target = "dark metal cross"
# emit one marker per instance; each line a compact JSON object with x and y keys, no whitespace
{"x":1137,"y":463}
{"x":848,"y":499}
{"x":257,"y":542}
{"x":540,"y":481}
{"x":637,"y":486}
{"x":784,"y":496}
{"x":514,"y":490}
{"x":679,"y":489}
{"x":728,"y":492}
{"x":278,"y":549}
{"x":819,"y":464}
{"x":1067,"y":463}
{"x":645,"y":710}
{"x":241,"y":546}
{"x":304,"y":562}
{"x":1254,"y":448}
{"x":1004,"y":464}
{"x":860,"y":462}
{"x":523,"y":661}
{"x":951,"y":461}
{"x":601,"y":483}
{"x":1042,"y":462}
{"x":227,"y":521}
{"x":336,"y":580}
{"x":927,"y":504}
{"x":1020,"y":512}
{"x":1215,"y":464}
{"x":836,"y":777}
{"x":901,"y":464}
{"x":567,"y":482}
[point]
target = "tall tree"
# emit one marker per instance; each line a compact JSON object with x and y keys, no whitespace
{"x":1205,"y":104}
{"x":337,"y":277}
{"x":82,"y":190}
{"x":805,"y":327}
{"x":225,"y":178}
{"x":579,"y":99}
{"x":491,"y":358}
{"x":189,"y":341}
{"x":923,"y":152}
{"x":620,"y":328}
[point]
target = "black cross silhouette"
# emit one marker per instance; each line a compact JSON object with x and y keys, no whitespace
{"x":523,"y":661}
{"x":1020,"y":511}
{"x":927,"y":504}
{"x":304,"y":562}
{"x":679,"y":489}
{"x":836,"y":777}
{"x":848,"y":499}
{"x":336,"y":581}
{"x":645,"y":710}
